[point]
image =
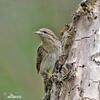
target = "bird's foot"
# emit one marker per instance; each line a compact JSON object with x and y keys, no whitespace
{"x":50,"y":74}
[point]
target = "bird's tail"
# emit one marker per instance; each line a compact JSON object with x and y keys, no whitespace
{"x":47,"y":83}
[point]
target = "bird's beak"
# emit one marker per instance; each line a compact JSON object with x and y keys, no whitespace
{"x":37,"y":32}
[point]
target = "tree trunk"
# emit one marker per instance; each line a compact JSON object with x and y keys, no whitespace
{"x":78,"y":77}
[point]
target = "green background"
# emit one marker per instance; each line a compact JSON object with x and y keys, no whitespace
{"x":18,"y":44}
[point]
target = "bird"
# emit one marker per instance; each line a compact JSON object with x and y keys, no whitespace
{"x":47,"y":54}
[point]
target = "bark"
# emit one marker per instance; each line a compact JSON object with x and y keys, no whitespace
{"x":78,"y":77}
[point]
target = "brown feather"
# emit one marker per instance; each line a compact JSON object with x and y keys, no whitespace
{"x":40,"y":54}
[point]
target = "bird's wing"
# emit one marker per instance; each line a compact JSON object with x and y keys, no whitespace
{"x":41,"y":52}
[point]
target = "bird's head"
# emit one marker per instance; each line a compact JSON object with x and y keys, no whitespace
{"x":50,"y":42}
{"x":46,"y":35}
{"x":49,"y":39}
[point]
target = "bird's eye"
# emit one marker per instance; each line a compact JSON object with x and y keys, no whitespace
{"x":44,"y":31}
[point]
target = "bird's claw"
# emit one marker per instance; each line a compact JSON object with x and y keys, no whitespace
{"x":50,"y":74}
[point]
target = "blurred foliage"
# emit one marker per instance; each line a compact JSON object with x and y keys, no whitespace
{"x":18,"y":20}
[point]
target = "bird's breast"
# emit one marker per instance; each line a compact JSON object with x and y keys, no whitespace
{"x":48,"y":62}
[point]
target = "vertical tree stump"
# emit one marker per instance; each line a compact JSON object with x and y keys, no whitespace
{"x":82,"y":61}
